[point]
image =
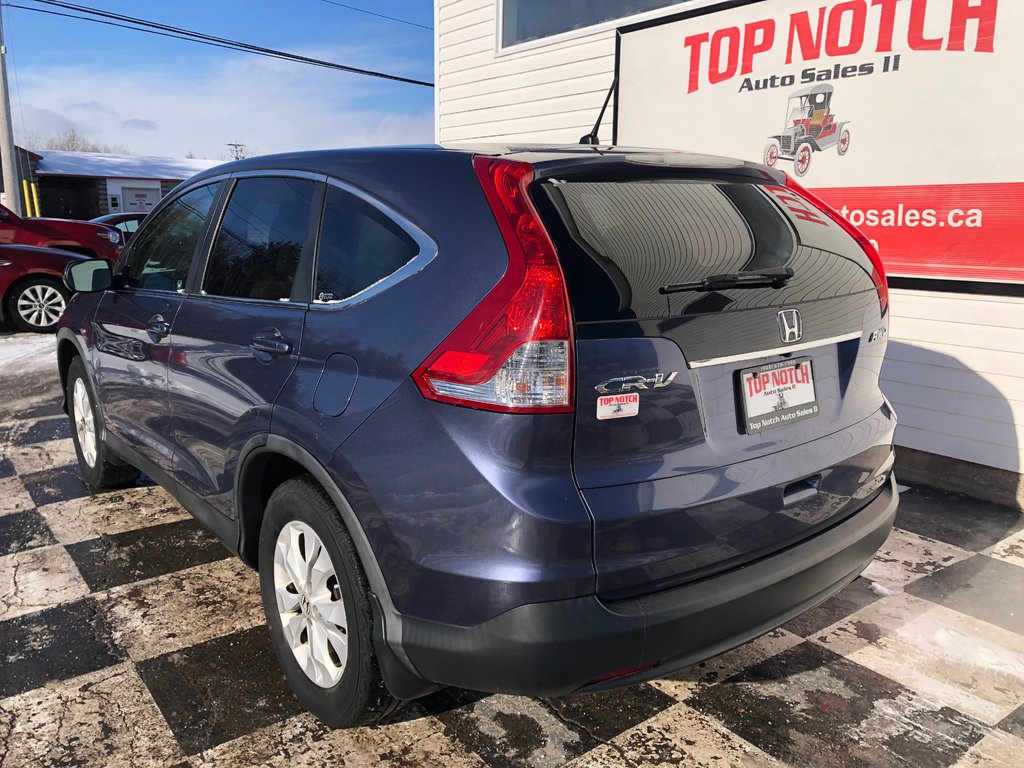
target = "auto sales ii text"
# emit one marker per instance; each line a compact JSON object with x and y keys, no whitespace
{"x":837,"y":30}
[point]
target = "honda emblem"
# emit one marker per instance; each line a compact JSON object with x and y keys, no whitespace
{"x":791,"y":327}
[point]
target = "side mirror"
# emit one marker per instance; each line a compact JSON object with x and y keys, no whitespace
{"x":89,"y":276}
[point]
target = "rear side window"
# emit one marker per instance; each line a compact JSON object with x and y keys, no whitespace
{"x":359,"y":246}
{"x":162,"y":254}
{"x":260,"y":242}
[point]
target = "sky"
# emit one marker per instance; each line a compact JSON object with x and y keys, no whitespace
{"x":164,"y":97}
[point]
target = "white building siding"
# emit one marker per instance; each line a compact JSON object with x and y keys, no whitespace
{"x":955,"y":369}
{"x":955,"y":374}
{"x":551,"y":93}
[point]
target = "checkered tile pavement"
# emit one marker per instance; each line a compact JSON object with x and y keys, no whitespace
{"x":128,"y":636}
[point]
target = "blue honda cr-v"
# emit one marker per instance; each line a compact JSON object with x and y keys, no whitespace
{"x":525,"y":420}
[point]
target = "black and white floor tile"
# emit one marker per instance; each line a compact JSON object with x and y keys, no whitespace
{"x":129,"y":637}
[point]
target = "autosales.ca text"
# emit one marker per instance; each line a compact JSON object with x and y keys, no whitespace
{"x":814,"y":75}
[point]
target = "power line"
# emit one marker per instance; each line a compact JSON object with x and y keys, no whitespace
{"x":378,"y":15}
{"x":112,"y":24}
{"x":237,"y":44}
{"x":164,"y":30}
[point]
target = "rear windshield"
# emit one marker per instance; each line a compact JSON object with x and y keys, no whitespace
{"x":619,"y":242}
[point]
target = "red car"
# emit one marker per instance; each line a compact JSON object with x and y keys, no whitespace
{"x":77,"y":236}
{"x":32,"y":286}
{"x":125,"y":223}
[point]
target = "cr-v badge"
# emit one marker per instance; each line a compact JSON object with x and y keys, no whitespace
{"x":627,"y":383}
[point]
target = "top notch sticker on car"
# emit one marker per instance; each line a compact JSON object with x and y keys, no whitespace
{"x":618,"y":406}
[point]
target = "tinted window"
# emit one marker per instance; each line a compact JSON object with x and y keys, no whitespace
{"x":620,"y":242}
{"x":161,"y":255}
{"x":258,"y":246}
{"x":523,"y":20}
{"x":359,"y":246}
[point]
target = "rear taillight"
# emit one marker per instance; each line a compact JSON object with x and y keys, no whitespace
{"x":866,"y":245}
{"x":513,"y":353}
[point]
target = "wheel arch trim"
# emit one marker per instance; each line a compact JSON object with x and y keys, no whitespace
{"x":66,"y":336}
{"x":405,"y":685}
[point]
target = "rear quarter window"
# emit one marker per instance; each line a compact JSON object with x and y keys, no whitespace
{"x":360,"y":245}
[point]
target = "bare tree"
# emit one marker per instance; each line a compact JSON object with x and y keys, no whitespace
{"x":72,"y":140}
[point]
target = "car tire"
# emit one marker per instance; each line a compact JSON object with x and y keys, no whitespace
{"x":772,"y":151}
{"x":316,"y":600}
{"x":96,"y":466}
{"x":36,"y":303}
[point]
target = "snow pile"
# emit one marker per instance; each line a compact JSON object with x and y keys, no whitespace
{"x":878,"y":589}
{"x":27,"y":353}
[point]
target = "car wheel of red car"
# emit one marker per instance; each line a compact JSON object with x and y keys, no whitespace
{"x":802,"y":159}
{"x":771,"y":154}
{"x":36,"y":303}
{"x":844,"y":142}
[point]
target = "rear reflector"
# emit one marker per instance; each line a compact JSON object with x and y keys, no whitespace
{"x":623,"y":673}
{"x":513,"y":352}
{"x":866,"y":245}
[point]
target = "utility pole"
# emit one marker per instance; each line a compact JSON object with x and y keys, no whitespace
{"x":237,"y":150}
{"x":8,"y":158}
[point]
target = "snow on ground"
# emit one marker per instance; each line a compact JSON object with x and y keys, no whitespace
{"x":27,"y":353}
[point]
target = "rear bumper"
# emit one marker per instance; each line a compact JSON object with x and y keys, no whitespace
{"x":561,"y":647}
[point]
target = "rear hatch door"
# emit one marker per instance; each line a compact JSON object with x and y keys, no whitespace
{"x":691,"y":404}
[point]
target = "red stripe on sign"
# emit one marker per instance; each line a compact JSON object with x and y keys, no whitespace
{"x":953,"y":231}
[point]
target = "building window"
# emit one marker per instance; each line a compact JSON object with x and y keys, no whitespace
{"x":525,"y":20}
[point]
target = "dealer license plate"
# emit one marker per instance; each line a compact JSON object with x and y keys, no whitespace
{"x":778,"y":394}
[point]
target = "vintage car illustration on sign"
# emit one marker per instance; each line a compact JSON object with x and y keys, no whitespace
{"x":810,"y":127}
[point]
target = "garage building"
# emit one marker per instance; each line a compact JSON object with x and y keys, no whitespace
{"x":84,"y":185}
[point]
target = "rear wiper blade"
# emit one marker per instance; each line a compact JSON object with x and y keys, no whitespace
{"x":774,"y":277}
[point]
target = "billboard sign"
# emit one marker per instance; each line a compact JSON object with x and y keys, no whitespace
{"x":899,"y":113}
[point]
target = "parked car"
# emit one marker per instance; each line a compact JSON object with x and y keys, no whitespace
{"x":125,"y":223}
{"x":32,"y":287}
{"x":811,"y":127}
{"x":84,"y":237}
{"x":535,"y":421}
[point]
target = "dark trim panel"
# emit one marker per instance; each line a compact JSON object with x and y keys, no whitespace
{"x":564,"y":646}
{"x":222,"y":527}
{"x":941,"y":285}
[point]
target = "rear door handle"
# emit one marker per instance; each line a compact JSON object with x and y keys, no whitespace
{"x":157,"y":327}
{"x":270,"y":342}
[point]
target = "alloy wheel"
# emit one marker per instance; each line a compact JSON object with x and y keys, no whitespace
{"x":310,"y":604}
{"x":85,"y":423}
{"x":41,"y":305}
